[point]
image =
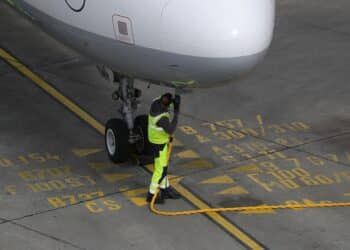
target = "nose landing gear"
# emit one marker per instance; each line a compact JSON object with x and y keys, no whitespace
{"x":127,"y":135}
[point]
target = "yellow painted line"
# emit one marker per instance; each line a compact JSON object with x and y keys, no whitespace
{"x":347,"y":194}
{"x":220,"y":220}
{"x":83,"y":152}
{"x":52,"y":91}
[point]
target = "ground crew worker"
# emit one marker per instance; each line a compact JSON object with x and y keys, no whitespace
{"x":160,"y":130}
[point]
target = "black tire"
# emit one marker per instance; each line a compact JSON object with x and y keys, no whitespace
{"x":117,"y":140}
{"x":143,"y":146}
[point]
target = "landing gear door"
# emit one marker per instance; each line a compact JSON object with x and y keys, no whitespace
{"x":123,"y":29}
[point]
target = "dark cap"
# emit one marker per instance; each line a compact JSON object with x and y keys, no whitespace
{"x":167,"y":99}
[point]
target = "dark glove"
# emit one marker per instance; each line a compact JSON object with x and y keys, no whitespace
{"x":177,"y":101}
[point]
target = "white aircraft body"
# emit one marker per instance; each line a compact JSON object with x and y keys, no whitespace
{"x":178,"y":43}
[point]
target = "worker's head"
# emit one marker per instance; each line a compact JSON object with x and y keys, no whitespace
{"x":166,"y":99}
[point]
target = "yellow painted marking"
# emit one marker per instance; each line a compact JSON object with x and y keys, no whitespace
{"x":172,"y":176}
{"x":52,"y":91}
{"x":11,"y":189}
{"x":226,"y":224}
{"x":83,"y":152}
{"x":200,"y":163}
{"x":177,"y":143}
{"x":238,"y":190}
{"x":99,"y":165}
{"x":261,"y":124}
{"x":100,"y":128}
{"x":150,"y":167}
{"x":188,"y":154}
{"x":116,"y":177}
{"x":139,"y":201}
{"x":250,"y":168}
{"x":132,"y":196}
{"x":223,"y":179}
{"x":135,"y":192}
{"x":347,"y":194}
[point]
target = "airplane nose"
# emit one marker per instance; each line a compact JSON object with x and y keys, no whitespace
{"x":217,"y":29}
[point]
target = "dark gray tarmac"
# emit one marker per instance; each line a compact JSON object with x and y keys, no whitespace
{"x":280,"y":136}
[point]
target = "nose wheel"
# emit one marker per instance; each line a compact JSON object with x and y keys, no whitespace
{"x":127,"y":136}
{"x":116,"y":140}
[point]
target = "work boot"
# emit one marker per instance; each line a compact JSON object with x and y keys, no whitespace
{"x":170,"y":193}
{"x":159,"y":199}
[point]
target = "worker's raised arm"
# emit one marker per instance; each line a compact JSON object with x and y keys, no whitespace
{"x":169,"y":127}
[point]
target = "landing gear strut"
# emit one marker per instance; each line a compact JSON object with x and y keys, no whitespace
{"x":122,"y":136}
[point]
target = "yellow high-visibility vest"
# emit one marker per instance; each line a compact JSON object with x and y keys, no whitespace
{"x":156,"y":134}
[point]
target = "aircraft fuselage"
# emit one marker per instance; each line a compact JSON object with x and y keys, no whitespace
{"x":196,"y":43}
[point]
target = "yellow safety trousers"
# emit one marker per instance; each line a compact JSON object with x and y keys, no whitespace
{"x":159,"y":177}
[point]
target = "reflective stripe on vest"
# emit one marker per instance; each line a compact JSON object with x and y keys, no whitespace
{"x":156,"y":134}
